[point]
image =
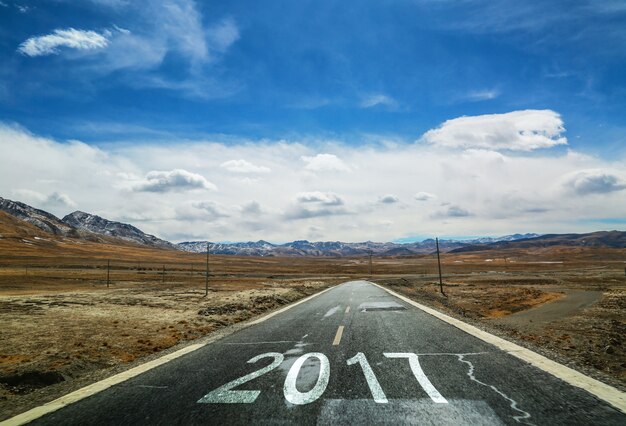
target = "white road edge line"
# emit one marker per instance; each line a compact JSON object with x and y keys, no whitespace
{"x":70,"y":398}
{"x":601,"y":390}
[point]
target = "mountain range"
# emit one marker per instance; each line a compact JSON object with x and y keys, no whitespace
{"x":86,"y":226}
{"x":337,"y":248}
{"x":82,"y":225}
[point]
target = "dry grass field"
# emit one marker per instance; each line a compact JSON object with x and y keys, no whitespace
{"x":62,"y":323}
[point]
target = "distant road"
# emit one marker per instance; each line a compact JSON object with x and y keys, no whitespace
{"x":352,"y":355}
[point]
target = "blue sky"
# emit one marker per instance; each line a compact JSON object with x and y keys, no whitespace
{"x":328,"y":81}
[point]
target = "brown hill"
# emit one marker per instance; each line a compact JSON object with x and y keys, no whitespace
{"x":607,"y":239}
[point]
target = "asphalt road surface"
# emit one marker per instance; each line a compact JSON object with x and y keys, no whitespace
{"x":353,"y":355}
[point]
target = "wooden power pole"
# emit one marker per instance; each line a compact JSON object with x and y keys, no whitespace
{"x":206,"y":281}
{"x":439,"y":265}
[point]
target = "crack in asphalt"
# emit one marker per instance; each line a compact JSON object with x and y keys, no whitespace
{"x":520,"y":418}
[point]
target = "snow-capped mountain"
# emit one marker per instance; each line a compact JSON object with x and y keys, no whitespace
{"x":98,"y":225}
{"x":321,"y":248}
{"x":39,"y":218}
{"x":92,"y":227}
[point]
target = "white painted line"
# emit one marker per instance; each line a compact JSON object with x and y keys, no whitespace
{"x":70,"y":398}
{"x":347,"y":309}
{"x":419,"y":374}
{"x":338,"y":336}
{"x":331,"y":311}
{"x":601,"y":390}
{"x":261,"y":343}
{"x":280,"y":311}
{"x":93,"y":389}
{"x":372,"y":382}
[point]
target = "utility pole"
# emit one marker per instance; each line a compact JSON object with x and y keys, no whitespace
{"x":370,"y":265}
{"x":439,"y":264}
{"x":206,"y":281}
{"x":163,"y":274}
{"x":108,"y":272}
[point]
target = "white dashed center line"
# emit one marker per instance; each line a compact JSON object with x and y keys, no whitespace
{"x":338,"y":336}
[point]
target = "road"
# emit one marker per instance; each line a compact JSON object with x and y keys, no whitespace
{"x":352,"y":355}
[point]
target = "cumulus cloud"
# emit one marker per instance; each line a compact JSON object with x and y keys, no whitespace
{"x":388,"y":199}
{"x":595,"y":181}
{"x":55,"y":199}
{"x":325,"y":163}
{"x":172,"y":180}
{"x":71,"y":38}
{"x":243,"y":166}
{"x":306,"y":213}
{"x":315,"y":204}
{"x":503,"y":193}
{"x":325,"y":198}
{"x":525,"y":130}
{"x":60,"y":199}
{"x":424,"y":196}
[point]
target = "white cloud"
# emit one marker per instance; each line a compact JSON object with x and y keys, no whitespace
{"x":223,"y":35}
{"x":153,"y":31}
{"x":525,"y":130}
{"x":55,"y":200}
{"x":482,"y":95}
{"x":243,"y":166}
{"x":595,"y":181}
{"x":200,"y":210}
{"x":172,"y":180}
{"x":374,"y":100}
{"x":251,"y":208}
{"x":388,"y":199}
{"x":307,"y":213}
{"x":60,"y":199}
{"x":452,"y":211}
{"x":324,"y":198}
{"x":424,"y":196}
{"x":502,"y":193}
{"x":71,"y":38}
{"x":325,"y":163}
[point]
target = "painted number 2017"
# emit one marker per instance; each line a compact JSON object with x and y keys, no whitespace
{"x":225,"y":393}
